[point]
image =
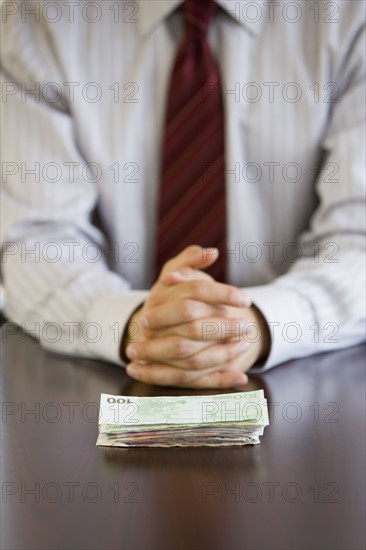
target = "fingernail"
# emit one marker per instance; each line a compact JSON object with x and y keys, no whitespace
{"x":131,"y":352}
{"x":241,"y":379}
{"x":245,"y":300}
{"x":132,"y":371}
{"x":144,"y":322}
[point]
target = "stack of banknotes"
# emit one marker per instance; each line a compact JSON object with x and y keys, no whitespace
{"x":192,"y":421}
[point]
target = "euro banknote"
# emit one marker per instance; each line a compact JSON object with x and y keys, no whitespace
{"x":198,"y":420}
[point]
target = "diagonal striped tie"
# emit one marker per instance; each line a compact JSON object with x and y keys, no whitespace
{"x":192,"y":207}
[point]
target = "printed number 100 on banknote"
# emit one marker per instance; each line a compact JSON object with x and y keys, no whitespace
{"x":244,"y":407}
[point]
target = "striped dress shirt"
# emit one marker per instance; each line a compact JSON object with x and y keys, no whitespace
{"x":84,"y":87}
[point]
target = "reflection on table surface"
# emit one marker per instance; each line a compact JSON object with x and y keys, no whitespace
{"x":303,"y":487}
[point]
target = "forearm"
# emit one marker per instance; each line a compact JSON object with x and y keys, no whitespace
{"x":316,"y":307}
{"x":72,"y":306}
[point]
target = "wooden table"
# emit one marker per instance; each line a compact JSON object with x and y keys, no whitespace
{"x":302,"y":488}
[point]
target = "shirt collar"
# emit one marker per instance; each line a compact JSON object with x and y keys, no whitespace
{"x":153,"y":12}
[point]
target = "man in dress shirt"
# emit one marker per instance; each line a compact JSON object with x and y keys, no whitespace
{"x":85,"y":90}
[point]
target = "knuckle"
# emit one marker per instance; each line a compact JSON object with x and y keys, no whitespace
{"x":168,"y":264}
{"x":153,"y":299}
{"x":142,"y":350}
{"x":150,"y":318}
{"x":232,"y":294}
{"x":187,"y":310}
{"x":184,"y":377}
{"x":179,"y":348}
{"x":187,"y":271}
{"x":198,"y":289}
{"x":196,"y":330}
{"x":196,"y":362}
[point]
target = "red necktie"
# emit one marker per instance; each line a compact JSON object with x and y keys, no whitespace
{"x":192,"y":206}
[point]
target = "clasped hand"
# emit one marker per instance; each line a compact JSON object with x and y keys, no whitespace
{"x":193,"y":331}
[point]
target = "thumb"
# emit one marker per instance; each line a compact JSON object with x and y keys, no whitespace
{"x":193,"y":256}
{"x":184,"y":274}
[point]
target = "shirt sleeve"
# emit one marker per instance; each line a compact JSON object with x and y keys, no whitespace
{"x":319,"y":304}
{"x":58,"y":286}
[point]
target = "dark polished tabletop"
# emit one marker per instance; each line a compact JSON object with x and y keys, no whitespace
{"x":303,"y":487}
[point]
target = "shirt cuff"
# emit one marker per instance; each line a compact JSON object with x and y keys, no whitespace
{"x":290,"y":317}
{"x":109,"y":315}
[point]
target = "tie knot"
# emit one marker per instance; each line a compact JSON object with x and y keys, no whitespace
{"x":199,"y":14}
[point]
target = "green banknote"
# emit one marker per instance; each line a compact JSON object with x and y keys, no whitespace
{"x":246,"y":407}
{"x":209,"y":420}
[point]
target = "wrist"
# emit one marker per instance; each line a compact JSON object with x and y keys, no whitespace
{"x":129,"y":332}
{"x":264,"y":342}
